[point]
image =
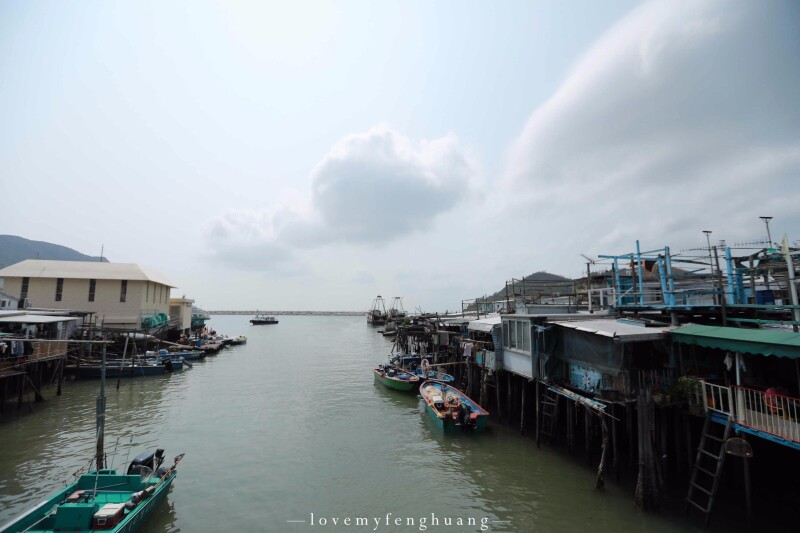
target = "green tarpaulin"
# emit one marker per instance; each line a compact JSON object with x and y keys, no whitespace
{"x":752,"y":341}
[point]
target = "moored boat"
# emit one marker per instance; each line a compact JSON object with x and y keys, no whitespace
{"x":377,"y":315}
{"x":102,"y":500}
{"x":236,"y":341}
{"x":434,"y":375}
{"x":451,"y":409}
{"x":396,"y":378}
{"x":263,"y":319}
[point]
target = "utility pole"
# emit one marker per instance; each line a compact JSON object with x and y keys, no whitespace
{"x":769,"y":237}
{"x":711,"y":262}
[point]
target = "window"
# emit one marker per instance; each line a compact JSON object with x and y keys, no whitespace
{"x":517,"y":335}
{"x":24,"y":293}
{"x":59,"y":288}
{"x":123,"y":290}
{"x":92,"y":288}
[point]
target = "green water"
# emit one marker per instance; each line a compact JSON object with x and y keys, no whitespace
{"x":291,"y":424}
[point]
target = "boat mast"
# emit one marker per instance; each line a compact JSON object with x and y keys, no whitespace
{"x":101,"y":411}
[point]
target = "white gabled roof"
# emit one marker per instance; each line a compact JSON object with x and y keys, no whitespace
{"x":40,"y":268}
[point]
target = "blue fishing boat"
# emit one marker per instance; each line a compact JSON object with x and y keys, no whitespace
{"x":432,"y":374}
{"x":451,"y":409}
{"x":102,"y":500}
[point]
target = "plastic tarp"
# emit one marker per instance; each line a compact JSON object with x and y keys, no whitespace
{"x":588,"y":349}
{"x":752,"y":341}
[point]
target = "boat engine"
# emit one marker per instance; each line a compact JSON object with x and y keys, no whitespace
{"x":151,"y":460}
{"x":464,"y":416}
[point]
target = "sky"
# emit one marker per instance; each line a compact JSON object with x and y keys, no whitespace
{"x":313,"y":155}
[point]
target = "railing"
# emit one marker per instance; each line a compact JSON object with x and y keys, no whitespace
{"x":767,"y":411}
{"x":718,"y":398}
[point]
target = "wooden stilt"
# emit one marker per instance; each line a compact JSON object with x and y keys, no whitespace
{"x":61,"y":365}
{"x":509,"y":405}
{"x":601,"y":467}
{"x":522,"y":410}
{"x":21,"y":390}
{"x":587,"y":428}
{"x":37,"y":384}
{"x":538,"y":421}
{"x":629,"y":429}
{"x":497,"y":381}
{"x":614,"y":440}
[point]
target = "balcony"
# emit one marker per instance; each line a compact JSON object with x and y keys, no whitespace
{"x":762,"y":411}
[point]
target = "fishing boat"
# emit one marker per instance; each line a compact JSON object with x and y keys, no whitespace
{"x":130,"y":368}
{"x":432,"y":374}
{"x":236,"y":341}
{"x":189,"y":355}
{"x":103,"y":500}
{"x":426,"y":372}
{"x":396,"y":378}
{"x":377,"y":315}
{"x":263,"y":319}
{"x":451,"y":409}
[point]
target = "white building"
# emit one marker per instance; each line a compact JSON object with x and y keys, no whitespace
{"x":120,"y":294}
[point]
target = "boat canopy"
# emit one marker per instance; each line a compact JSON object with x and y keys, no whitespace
{"x":751,"y":341}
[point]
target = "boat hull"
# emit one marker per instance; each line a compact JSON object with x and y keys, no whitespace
{"x":36,"y":520}
{"x":409,"y":384}
{"x":126,"y":371}
{"x":447,"y":419}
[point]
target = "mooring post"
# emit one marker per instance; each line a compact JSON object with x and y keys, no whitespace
{"x":587,"y":426}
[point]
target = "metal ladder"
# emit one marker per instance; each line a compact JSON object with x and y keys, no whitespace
{"x":711,"y":450}
{"x":549,"y":403}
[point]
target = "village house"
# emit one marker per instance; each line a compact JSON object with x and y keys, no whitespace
{"x":121,"y":295}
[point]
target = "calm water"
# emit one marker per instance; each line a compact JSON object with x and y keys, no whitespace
{"x":292,"y":424}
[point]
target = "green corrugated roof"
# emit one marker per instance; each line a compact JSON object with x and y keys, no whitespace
{"x":752,"y":341}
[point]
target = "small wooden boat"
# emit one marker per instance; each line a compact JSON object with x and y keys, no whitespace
{"x":451,"y":409}
{"x":129,"y":368}
{"x":396,"y":378}
{"x":434,"y":375}
{"x":189,"y":355}
{"x":263,"y":319}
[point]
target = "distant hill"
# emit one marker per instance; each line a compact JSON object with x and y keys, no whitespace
{"x":548,"y":284}
{"x":14,"y":249}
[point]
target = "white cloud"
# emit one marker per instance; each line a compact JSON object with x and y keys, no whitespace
{"x":371,"y":188}
{"x":682,"y":116}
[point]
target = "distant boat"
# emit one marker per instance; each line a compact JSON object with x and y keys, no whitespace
{"x":377,"y":315}
{"x":236,"y":341}
{"x":396,"y":378}
{"x":396,"y":310}
{"x":263,"y":319}
{"x":102,"y":500}
{"x":451,"y":409}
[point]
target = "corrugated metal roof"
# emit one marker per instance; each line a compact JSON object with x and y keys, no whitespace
{"x":752,"y":341}
{"x":484,"y":324}
{"x":624,"y":331}
{"x":35,"y":319}
{"x":41,"y":268}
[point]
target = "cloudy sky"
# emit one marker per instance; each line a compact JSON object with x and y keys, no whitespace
{"x":312,"y":155}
